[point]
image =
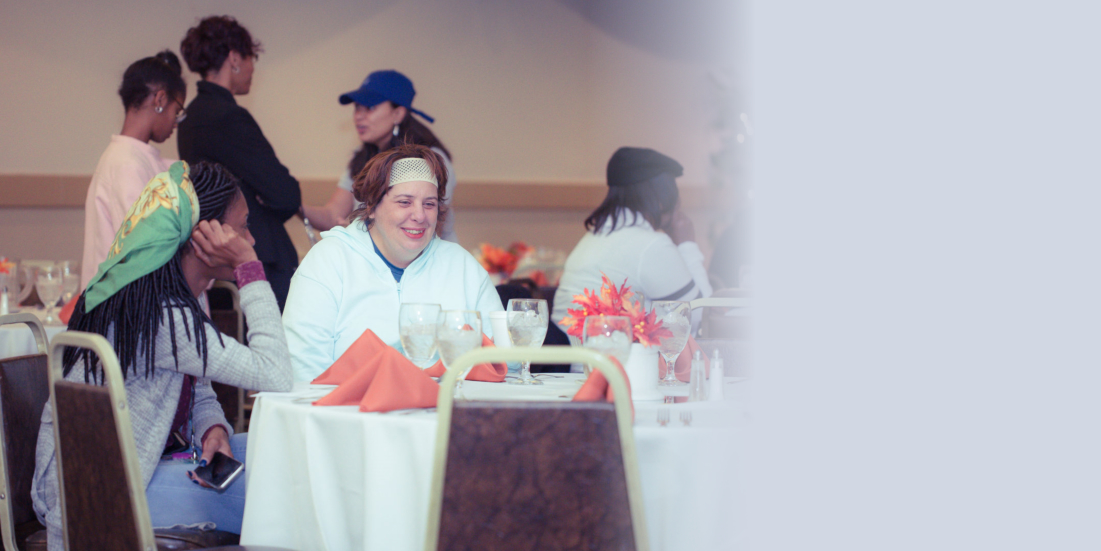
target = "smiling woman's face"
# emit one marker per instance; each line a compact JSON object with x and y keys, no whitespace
{"x":405,"y":221}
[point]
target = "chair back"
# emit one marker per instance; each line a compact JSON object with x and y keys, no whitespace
{"x":102,"y":495}
{"x":525,"y":475}
{"x":23,"y":393}
{"x":225,"y":309}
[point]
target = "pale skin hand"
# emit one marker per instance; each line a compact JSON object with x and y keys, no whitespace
{"x":680,"y":228}
{"x":220,"y":246}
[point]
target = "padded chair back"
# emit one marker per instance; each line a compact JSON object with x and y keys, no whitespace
{"x":24,"y":390}
{"x":535,"y":475}
{"x":102,"y":497}
{"x":225,"y":309}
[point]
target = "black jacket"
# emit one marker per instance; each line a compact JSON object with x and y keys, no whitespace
{"x":217,"y":129}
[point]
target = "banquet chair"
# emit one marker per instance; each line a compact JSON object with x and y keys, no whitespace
{"x":535,"y":475}
{"x":225,"y":311}
{"x":23,"y":393}
{"x":716,"y":324}
{"x":102,"y":496}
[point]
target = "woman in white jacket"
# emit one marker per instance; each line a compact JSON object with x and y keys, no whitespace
{"x":358,"y":276}
{"x":638,"y":234}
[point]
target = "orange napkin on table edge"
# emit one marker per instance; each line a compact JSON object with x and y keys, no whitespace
{"x":377,"y":377}
{"x":489,"y":373}
{"x":67,"y":310}
{"x":683,"y":367}
{"x":596,"y":388}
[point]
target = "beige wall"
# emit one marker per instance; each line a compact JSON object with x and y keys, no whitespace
{"x":532,"y":91}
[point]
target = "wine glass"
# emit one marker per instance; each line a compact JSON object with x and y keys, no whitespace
{"x":417,"y":330}
{"x":458,"y":332}
{"x":527,"y":326}
{"x":70,"y":280}
{"x":609,"y":335}
{"x":674,"y":316}
{"x":48,"y":285}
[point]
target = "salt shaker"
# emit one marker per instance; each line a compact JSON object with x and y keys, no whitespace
{"x":715,"y":388}
{"x":697,"y":381}
{"x":4,"y":300}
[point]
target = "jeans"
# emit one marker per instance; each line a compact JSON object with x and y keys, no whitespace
{"x":176,"y":499}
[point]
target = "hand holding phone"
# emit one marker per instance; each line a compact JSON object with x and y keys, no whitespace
{"x":219,"y":473}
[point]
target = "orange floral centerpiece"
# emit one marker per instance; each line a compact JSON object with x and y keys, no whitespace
{"x":615,"y":301}
{"x":501,"y":261}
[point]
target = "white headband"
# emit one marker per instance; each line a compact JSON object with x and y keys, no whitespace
{"x":412,"y":169}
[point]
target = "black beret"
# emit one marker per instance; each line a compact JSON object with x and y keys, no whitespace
{"x":631,"y":165}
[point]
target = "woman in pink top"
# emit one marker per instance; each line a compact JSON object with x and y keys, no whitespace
{"x":153,"y":94}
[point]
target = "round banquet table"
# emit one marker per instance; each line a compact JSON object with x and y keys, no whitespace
{"x":17,"y":339}
{"x":335,"y":478}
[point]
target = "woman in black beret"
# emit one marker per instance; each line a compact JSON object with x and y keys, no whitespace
{"x":638,"y":234}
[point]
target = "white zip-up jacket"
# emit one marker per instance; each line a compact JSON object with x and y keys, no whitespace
{"x":343,"y":288}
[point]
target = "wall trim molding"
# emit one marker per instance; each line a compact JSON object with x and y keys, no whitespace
{"x":68,"y":191}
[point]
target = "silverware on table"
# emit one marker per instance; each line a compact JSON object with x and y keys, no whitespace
{"x":686,"y":417}
{"x":663,"y":417}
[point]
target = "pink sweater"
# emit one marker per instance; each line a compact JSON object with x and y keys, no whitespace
{"x":123,"y":170}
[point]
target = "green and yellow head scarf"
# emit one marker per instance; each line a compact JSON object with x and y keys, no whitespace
{"x":155,"y":227}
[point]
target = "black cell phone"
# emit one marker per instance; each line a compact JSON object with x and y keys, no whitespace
{"x":219,"y":473}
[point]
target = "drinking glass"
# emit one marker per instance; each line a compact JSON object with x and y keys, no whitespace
{"x":417,"y":330}
{"x":527,"y":326}
{"x":48,"y":285}
{"x":609,"y":335}
{"x":70,"y":280}
{"x":674,"y":316}
{"x":458,"y":332}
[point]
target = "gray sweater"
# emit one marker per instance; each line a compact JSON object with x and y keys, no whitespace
{"x":263,"y":365}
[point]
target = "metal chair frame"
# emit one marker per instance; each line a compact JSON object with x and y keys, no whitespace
{"x":547,"y":354}
{"x":7,"y":519}
{"x":112,"y":376}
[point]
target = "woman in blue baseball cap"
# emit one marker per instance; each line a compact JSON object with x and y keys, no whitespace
{"x":384,"y":119}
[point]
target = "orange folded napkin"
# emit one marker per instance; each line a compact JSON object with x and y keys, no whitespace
{"x":67,"y":310}
{"x":597,"y":389}
{"x":489,"y":373}
{"x":363,"y":350}
{"x":683,"y":367}
{"x":377,"y":377}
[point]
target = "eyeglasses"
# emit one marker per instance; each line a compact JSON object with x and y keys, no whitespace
{"x":182,"y":113}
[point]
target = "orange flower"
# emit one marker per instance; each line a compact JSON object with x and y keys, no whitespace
{"x":6,"y":266}
{"x":498,"y":260}
{"x":615,"y":301}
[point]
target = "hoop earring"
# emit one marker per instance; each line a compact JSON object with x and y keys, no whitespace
{"x":158,"y":109}
{"x":396,"y":129}
{"x":236,"y":69}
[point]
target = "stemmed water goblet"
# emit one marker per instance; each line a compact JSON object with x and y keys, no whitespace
{"x":674,"y":316}
{"x":48,"y":284}
{"x":458,"y":332}
{"x":417,"y":331}
{"x":70,"y":280}
{"x":609,"y":335}
{"x":527,"y":326}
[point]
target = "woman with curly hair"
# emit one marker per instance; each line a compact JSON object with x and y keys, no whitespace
{"x":223,"y":53}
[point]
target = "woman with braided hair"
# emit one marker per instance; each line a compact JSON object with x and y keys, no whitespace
{"x":188,"y":228}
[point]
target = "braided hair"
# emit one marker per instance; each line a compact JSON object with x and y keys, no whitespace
{"x":136,"y":312}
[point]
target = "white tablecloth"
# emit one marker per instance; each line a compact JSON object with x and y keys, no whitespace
{"x":17,"y":340}
{"x":333,"y":478}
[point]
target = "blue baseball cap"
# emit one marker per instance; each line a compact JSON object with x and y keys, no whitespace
{"x":381,"y":86}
